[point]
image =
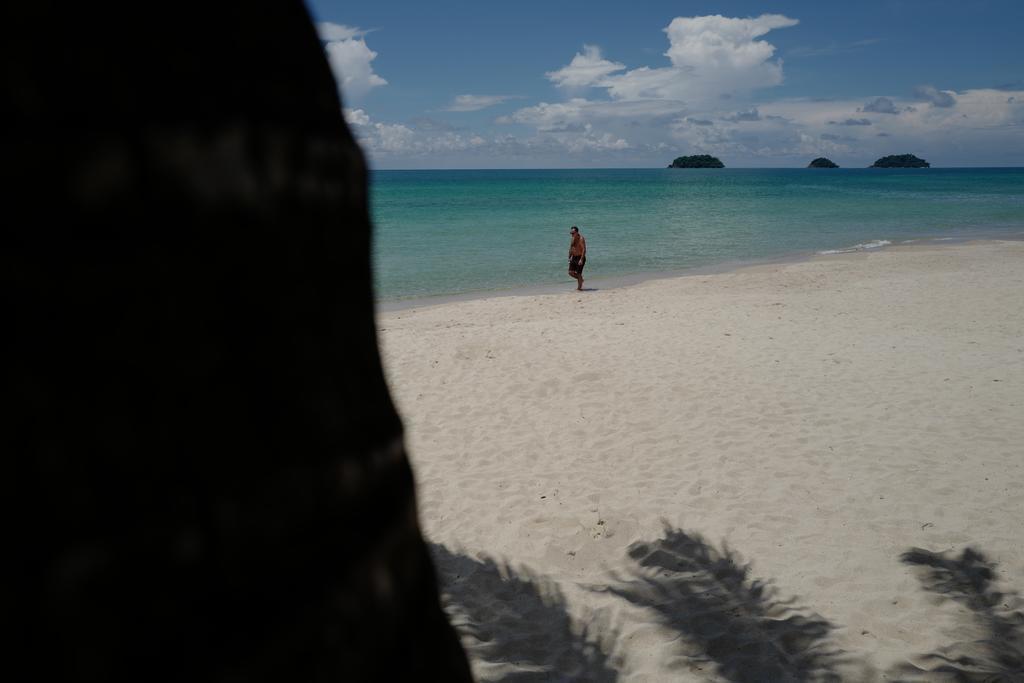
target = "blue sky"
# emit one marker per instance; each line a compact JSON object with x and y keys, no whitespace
{"x":592,"y":84}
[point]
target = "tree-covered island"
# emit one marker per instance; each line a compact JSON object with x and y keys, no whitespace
{"x":697,"y":161}
{"x":900,"y":161}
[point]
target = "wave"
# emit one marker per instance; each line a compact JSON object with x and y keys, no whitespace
{"x":873,"y":244}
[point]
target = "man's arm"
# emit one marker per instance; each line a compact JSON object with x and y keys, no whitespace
{"x":583,"y":242}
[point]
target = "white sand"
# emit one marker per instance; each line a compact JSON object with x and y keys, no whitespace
{"x":819,"y":418}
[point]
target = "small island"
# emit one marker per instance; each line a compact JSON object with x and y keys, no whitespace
{"x":900,"y":161}
{"x":822,"y":162}
{"x":697,"y":161}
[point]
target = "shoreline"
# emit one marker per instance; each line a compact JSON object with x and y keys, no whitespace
{"x":386,"y":306}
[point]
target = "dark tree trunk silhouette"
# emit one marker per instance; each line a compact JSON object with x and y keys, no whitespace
{"x":208,"y":475}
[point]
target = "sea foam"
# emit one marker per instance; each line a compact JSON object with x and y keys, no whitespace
{"x":873,"y":244}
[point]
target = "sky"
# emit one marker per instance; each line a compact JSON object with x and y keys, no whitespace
{"x":567,"y":84}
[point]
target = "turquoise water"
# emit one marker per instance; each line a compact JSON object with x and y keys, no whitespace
{"x":452,"y":232}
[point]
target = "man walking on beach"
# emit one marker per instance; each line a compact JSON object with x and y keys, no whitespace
{"x":577,"y":256}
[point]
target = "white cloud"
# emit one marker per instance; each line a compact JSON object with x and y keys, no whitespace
{"x":589,"y":141}
{"x":393,"y":137}
{"x":718,"y":42}
{"x":985,"y":127}
{"x":380,"y":138}
{"x":545,"y":116}
{"x":586,"y":68}
{"x":982,"y":107}
{"x":548,"y":116}
{"x":981,"y":128}
{"x":350,"y":59}
{"x":715,"y":61}
{"x":712,"y":60}
{"x":356,"y":117}
{"x":937,"y":98}
{"x":423,"y":145}
{"x":477,"y":102}
{"x":329,"y":31}
{"x":711,"y":57}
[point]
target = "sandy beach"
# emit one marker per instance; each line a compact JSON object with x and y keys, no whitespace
{"x":693,"y":478}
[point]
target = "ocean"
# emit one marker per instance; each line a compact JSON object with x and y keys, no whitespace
{"x":454,"y":232}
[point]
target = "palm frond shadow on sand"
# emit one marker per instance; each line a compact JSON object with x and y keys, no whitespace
{"x":993,"y":621}
{"x":731,"y":624}
{"x":516,"y":624}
